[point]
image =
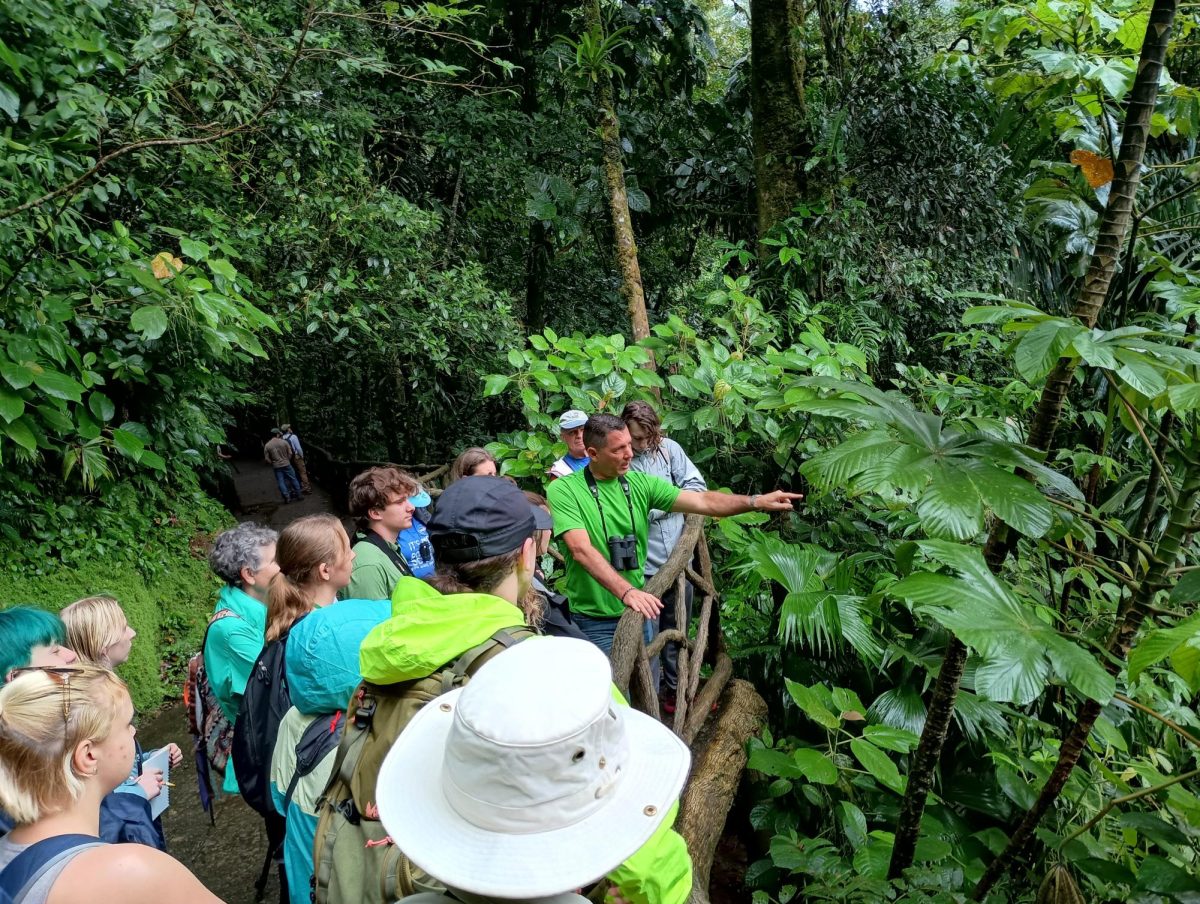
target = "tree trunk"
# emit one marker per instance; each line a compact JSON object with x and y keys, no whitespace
{"x":716,"y":774}
{"x":1114,"y":225}
{"x":525,"y":26}
{"x":618,"y":200}
{"x":1119,"y":644}
{"x":780,"y":134}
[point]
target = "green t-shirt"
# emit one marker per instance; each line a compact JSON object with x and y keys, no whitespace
{"x":574,"y":508}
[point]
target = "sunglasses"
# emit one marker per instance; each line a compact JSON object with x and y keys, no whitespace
{"x":61,"y":675}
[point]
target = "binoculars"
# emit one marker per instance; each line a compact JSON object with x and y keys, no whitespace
{"x":623,"y":554}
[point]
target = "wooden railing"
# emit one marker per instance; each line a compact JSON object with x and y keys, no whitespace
{"x":715,"y":716}
{"x":334,"y":474}
{"x":718,"y":743}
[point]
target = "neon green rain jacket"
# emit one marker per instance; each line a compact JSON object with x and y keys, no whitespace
{"x":428,"y":630}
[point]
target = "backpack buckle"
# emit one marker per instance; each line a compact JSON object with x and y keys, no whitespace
{"x":349,"y":812}
{"x":364,"y":713}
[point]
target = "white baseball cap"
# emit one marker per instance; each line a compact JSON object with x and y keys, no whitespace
{"x":532,"y":780}
{"x":572,"y":419}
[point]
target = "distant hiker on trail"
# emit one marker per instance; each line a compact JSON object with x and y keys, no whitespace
{"x":244,"y":558}
{"x":661,"y":456}
{"x":297,"y":457}
{"x":602,"y":513}
{"x":413,"y":541}
{"x":66,"y":741}
{"x":570,"y":431}
{"x":278,"y":454}
{"x":381,"y":507}
{"x":473,"y":462}
{"x":517,"y":788}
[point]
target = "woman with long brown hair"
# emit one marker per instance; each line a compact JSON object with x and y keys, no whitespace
{"x":473,"y":462}
{"x":315,"y":561}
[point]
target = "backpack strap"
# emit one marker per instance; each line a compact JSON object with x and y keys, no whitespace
{"x":217,"y":616}
{"x":310,"y":750}
{"x":358,"y":718}
{"x":388,"y":549}
{"x":24,"y":870}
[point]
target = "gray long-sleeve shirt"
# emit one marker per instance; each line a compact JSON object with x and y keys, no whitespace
{"x":671,"y":463}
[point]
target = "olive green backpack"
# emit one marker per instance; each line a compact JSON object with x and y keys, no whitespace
{"x":354,"y":860}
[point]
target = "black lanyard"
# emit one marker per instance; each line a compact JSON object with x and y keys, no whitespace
{"x":591,"y":482}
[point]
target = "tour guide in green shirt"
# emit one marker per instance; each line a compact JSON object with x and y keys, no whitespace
{"x":602,"y":512}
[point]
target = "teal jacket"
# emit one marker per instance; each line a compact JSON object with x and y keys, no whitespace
{"x":322,"y":672}
{"x":230,"y":650}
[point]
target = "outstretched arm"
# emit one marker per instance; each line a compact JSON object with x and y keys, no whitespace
{"x":720,"y":505}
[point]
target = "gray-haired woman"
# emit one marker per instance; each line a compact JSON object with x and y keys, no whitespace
{"x":243,"y":557}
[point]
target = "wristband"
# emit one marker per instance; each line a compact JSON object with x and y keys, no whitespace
{"x":626,"y":593}
{"x":754,"y":502}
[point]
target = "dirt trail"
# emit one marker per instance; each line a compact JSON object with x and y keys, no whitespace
{"x":227,"y":856}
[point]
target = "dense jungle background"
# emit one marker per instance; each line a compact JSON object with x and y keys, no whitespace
{"x":934,"y":264}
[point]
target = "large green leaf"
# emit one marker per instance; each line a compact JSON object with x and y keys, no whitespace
{"x":811,"y":705}
{"x":1158,"y":645}
{"x":58,"y":385}
{"x":101,"y":406}
{"x":150,"y":322}
{"x":878,"y":763}
{"x":12,"y":406}
{"x":1016,"y":501}
{"x":18,"y":431}
{"x":1018,"y":651}
{"x":18,"y":375}
{"x":896,"y":739}
{"x":1018,"y":675}
{"x":816,"y":766}
{"x":1040,"y":348}
{"x":950,"y":507}
{"x":128,"y":444}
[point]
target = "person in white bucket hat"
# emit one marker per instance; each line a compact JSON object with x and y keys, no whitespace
{"x":518,"y":788}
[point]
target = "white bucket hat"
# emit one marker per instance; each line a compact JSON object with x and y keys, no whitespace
{"x":532,"y":780}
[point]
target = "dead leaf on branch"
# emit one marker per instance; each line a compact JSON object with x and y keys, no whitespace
{"x":165,"y":265}
{"x":1096,"y":169}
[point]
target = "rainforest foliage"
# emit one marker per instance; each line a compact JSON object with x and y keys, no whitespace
{"x":935,"y":265}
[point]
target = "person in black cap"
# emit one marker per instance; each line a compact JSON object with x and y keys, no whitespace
{"x":468,"y":611}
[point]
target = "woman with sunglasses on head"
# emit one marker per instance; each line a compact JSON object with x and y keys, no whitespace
{"x":66,"y":741}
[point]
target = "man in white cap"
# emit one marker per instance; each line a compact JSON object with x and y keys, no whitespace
{"x":570,"y":430}
{"x":515,"y":788}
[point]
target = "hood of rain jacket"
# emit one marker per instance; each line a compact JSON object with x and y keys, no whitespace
{"x":322,"y":653}
{"x":428,"y":630}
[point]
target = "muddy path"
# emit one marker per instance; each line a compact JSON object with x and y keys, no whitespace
{"x":226,"y":856}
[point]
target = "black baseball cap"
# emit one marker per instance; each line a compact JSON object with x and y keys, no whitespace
{"x":479,"y":517}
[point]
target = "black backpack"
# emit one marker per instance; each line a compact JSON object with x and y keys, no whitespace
{"x":265,"y":702}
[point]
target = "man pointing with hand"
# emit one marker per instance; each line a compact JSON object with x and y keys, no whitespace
{"x":601,"y":513}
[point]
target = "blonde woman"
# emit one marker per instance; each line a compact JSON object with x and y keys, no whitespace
{"x":66,"y":741}
{"x":315,"y":561}
{"x":99,"y":633}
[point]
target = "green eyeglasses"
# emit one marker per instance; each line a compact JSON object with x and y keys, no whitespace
{"x":60,"y":673}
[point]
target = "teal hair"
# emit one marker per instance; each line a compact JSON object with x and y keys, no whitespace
{"x":21,"y":629}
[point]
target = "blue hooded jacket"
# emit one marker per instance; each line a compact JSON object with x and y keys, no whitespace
{"x":322,"y":673}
